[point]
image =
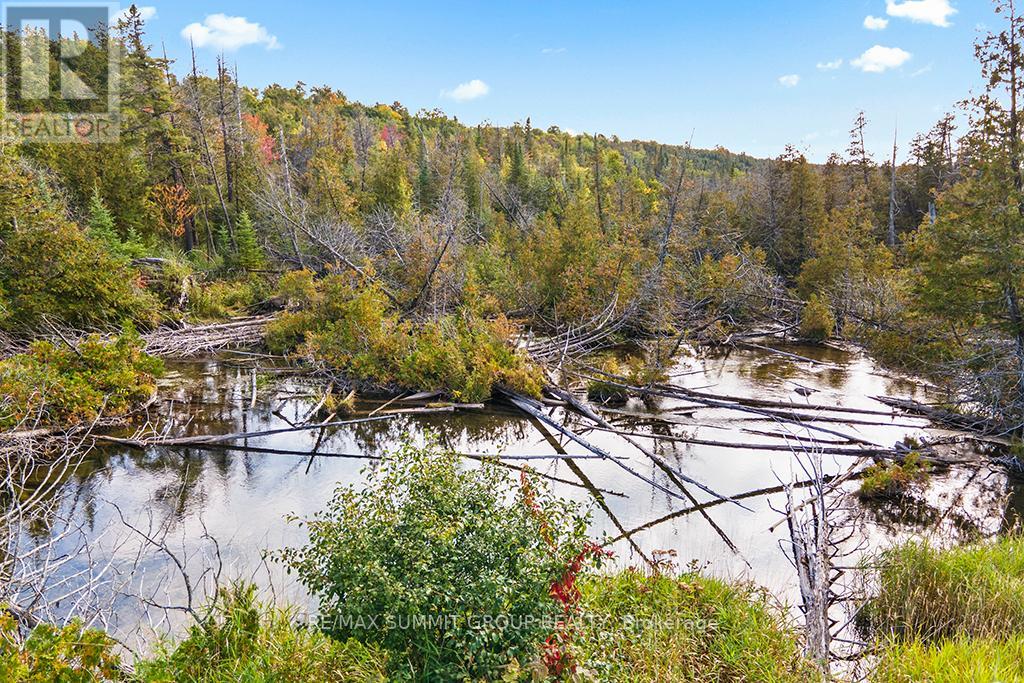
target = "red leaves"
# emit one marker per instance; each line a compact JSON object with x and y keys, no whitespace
{"x":264,"y":143}
{"x":390,"y":136}
{"x":557,"y":654}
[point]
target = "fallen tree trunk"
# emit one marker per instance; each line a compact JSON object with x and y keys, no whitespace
{"x":970,"y":423}
{"x":219,"y":438}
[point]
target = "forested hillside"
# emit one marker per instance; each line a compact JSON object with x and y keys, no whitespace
{"x":214,"y":190}
{"x":384,"y":255}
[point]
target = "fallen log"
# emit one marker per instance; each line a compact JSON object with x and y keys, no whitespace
{"x":803,"y":420}
{"x":530,"y":407}
{"x":659,"y":461}
{"x":207,"y":439}
{"x":882,"y":453}
{"x":970,"y":423}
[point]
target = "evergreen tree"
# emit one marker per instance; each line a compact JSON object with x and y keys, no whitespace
{"x":969,"y":260}
{"x":101,"y":224}
{"x":250,"y":255}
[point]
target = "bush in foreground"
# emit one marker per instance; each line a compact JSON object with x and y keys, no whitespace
{"x":452,"y":570}
{"x":637,"y":627}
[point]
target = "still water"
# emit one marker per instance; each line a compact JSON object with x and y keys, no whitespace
{"x":234,"y":503}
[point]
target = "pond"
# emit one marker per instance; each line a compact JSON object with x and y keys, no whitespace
{"x":227,"y":506}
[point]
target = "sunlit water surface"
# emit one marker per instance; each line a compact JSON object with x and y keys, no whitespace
{"x":204,"y":501}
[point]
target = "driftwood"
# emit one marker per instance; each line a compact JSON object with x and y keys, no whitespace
{"x":779,"y":352}
{"x":969,"y":423}
{"x":206,"y":439}
{"x":655,"y":458}
{"x":201,"y":339}
{"x":856,"y":452}
{"x":711,"y":401}
{"x":531,"y":407}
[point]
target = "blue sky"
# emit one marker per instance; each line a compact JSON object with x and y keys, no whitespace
{"x":750,"y":75}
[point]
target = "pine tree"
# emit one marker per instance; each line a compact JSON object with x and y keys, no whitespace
{"x":101,"y":224}
{"x":250,"y":255}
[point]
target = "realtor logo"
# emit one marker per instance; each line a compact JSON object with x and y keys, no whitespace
{"x":61,"y":73}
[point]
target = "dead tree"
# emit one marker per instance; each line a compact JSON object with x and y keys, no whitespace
{"x":222,"y":113}
{"x":891,"y":237}
{"x":197,"y":113}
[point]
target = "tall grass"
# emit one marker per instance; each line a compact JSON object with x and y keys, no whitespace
{"x":687,"y":629}
{"x":952,"y":661}
{"x":927,"y":593}
{"x":243,"y":640}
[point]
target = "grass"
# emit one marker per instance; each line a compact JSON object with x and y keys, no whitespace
{"x":683,"y":629}
{"x":929,"y":594}
{"x":952,"y":614}
{"x":243,"y":640}
{"x":952,"y":661}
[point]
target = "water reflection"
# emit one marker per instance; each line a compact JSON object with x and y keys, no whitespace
{"x":240,"y":494}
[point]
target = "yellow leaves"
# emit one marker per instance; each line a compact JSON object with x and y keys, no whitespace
{"x":174,"y":202}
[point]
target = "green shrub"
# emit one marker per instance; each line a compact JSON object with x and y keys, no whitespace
{"x":357,"y":331}
{"x":638,"y":627}
{"x":243,"y":640}
{"x":927,"y":593}
{"x":54,"y":271}
{"x":287,"y":331}
{"x":223,"y":298}
{"x":56,"y":385}
{"x":70,"y":654}
{"x":817,"y":322}
{"x":298,"y":288}
{"x":449,"y":568}
{"x":894,"y":479}
{"x":952,"y":661}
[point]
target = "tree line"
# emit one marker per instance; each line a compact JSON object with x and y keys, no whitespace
{"x":214,"y":189}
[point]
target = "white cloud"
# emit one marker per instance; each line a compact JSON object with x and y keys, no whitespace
{"x":790,"y":81}
{"x":875,"y":23}
{"x":879,"y":59}
{"x":830,"y":66}
{"x":228,"y":33}
{"x":470,"y":90}
{"x":554,"y":50}
{"x":935,"y":12}
{"x":146,"y":13}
